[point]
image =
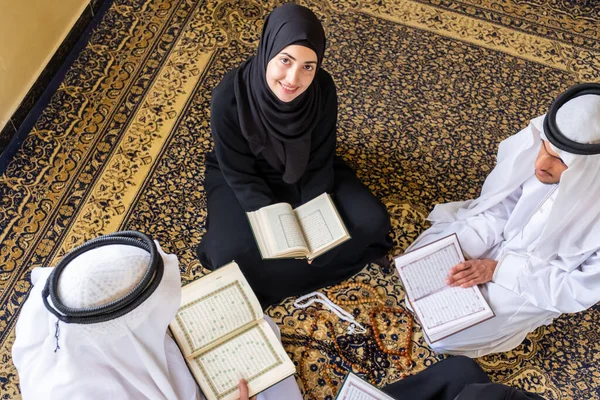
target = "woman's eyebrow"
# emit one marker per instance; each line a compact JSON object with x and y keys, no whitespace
{"x":290,"y":56}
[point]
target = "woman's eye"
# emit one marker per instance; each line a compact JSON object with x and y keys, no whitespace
{"x":309,"y":67}
{"x":285,"y":60}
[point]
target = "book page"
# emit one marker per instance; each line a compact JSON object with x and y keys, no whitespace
{"x":425,"y":270}
{"x":355,"y":388}
{"x":442,"y":310}
{"x":448,"y":305}
{"x":254,"y":354}
{"x":320,"y":223}
{"x":213,"y":307}
{"x":260,"y":236}
{"x":284,"y":231}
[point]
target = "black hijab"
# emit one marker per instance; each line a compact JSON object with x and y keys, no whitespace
{"x":280,"y":131}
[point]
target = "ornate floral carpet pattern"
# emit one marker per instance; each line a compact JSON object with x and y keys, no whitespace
{"x":427,"y":89}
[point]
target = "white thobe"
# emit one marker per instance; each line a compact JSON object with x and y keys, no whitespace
{"x":132,"y":367}
{"x":525,"y":292}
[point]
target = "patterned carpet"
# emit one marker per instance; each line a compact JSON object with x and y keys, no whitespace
{"x":427,"y":90}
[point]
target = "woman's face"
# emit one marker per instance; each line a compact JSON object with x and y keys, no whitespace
{"x":291,"y":72}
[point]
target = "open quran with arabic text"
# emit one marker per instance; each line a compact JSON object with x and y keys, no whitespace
{"x":221,"y":332}
{"x":304,"y":232}
{"x":441,"y":309}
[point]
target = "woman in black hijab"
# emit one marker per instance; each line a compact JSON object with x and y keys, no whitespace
{"x":273,"y":122}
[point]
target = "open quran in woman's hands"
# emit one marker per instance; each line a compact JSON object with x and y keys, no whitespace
{"x":304,"y":232}
{"x":223,"y":337}
{"x":442,"y":310}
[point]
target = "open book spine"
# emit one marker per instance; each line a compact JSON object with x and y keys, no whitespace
{"x":277,"y":232}
{"x":198,"y":352}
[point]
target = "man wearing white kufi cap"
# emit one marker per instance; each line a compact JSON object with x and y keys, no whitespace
{"x":95,"y":327}
{"x":532,"y":239}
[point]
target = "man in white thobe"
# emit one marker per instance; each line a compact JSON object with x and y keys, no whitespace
{"x":129,"y":356}
{"x":532,"y":238}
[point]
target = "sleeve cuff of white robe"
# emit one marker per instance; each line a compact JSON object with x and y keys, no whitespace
{"x":508,"y":269}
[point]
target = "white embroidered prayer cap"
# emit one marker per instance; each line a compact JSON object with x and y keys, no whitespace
{"x":127,"y":357}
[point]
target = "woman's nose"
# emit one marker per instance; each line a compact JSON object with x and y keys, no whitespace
{"x":293,"y":76}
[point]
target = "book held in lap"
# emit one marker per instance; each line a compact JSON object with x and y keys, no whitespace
{"x":442,"y":310}
{"x":304,"y":232}
{"x":221,"y":332}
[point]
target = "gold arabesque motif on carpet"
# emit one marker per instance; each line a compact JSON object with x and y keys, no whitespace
{"x":427,"y":89}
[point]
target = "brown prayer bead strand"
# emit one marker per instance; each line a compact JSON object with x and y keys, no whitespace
{"x":303,"y":356}
{"x":327,"y":378}
{"x":405,"y":352}
{"x":400,"y":353}
{"x":329,"y":326}
{"x":308,"y":389}
{"x":400,"y":367}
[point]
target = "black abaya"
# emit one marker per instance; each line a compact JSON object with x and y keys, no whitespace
{"x":455,"y":378}
{"x":268,"y":151}
{"x":229,"y":237}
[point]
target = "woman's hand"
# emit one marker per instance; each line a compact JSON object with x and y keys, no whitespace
{"x":243,"y":388}
{"x":471,"y":273}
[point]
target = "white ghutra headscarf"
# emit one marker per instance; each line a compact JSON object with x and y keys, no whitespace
{"x":573,"y":226}
{"x":129,"y":357}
